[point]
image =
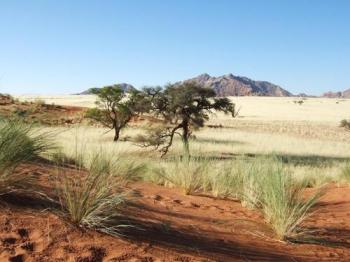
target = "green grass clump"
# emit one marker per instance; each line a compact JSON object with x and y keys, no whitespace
{"x":314,"y":178}
{"x":61,"y":158}
{"x":185,"y":173}
{"x":282,"y":200}
{"x":19,"y":143}
{"x":225,"y":180}
{"x":345,"y":173}
{"x":90,"y":197}
{"x":122,"y":169}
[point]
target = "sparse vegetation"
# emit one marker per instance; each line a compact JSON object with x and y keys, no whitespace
{"x":61,"y":158}
{"x":115,"y":108}
{"x":91,"y":176}
{"x":282,"y":201}
{"x":263,"y":184}
{"x":345,"y":173}
{"x":183,"y":173}
{"x":345,"y":123}
{"x":19,"y":143}
{"x":184,"y":108}
{"x":91,"y":196}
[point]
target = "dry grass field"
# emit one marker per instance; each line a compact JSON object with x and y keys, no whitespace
{"x":307,"y":136}
{"x":321,"y":110}
{"x":251,"y":182}
{"x":264,"y":125}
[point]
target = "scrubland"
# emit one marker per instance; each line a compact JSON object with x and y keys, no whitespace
{"x":273,"y":164}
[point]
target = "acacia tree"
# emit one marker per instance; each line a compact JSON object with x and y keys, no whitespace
{"x":115,"y":108}
{"x":182,"y":108}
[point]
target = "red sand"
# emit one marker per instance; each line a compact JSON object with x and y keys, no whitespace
{"x":168,"y":226}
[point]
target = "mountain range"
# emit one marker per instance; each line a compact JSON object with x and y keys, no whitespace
{"x":231,"y":85}
{"x":340,"y":94}
{"x":228,"y":85}
{"x":124,"y":86}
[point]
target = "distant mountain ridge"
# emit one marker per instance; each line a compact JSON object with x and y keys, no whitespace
{"x":230,"y":85}
{"x":227,"y":85}
{"x":340,"y":94}
{"x":124,"y":86}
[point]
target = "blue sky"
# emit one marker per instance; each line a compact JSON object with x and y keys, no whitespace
{"x":69,"y":46}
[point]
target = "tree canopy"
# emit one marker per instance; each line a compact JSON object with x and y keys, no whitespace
{"x":183,"y":108}
{"x":115,"y":107}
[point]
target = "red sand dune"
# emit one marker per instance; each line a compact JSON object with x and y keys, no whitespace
{"x":168,"y":226}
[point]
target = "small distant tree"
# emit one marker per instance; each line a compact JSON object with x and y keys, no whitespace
{"x":115,"y":108}
{"x":345,"y":123}
{"x":182,"y":108}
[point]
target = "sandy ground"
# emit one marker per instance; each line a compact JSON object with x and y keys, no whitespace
{"x":168,"y":226}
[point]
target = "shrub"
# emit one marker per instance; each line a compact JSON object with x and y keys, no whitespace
{"x":345,"y":123}
{"x":18,"y":143}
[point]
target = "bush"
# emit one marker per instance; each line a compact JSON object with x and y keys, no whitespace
{"x":18,"y":143}
{"x":345,"y":123}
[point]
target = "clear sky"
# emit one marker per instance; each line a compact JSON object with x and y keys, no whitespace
{"x":68,"y":46}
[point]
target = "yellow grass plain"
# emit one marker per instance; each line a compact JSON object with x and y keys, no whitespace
{"x":264,"y":125}
{"x":320,"y":110}
{"x":308,"y":136}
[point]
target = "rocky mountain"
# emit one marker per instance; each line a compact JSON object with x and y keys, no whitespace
{"x":230,"y":85}
{"x":343,"y":94}
{"x":124,"y":86}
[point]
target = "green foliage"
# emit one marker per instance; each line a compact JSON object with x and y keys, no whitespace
{"x":18,"y":143}
{"x":115,"y":108}
{"x":183,"y":107}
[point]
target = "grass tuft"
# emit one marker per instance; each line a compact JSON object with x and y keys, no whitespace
{"x":345,"y":172}
{"x":184,"y":173}
{"x":91,"y":196}
{"x":19,"y":143}
{"x":282,"y":200}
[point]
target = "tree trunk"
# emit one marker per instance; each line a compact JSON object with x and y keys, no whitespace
{"x":116,"y":134}
{"x":185,"y":137}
